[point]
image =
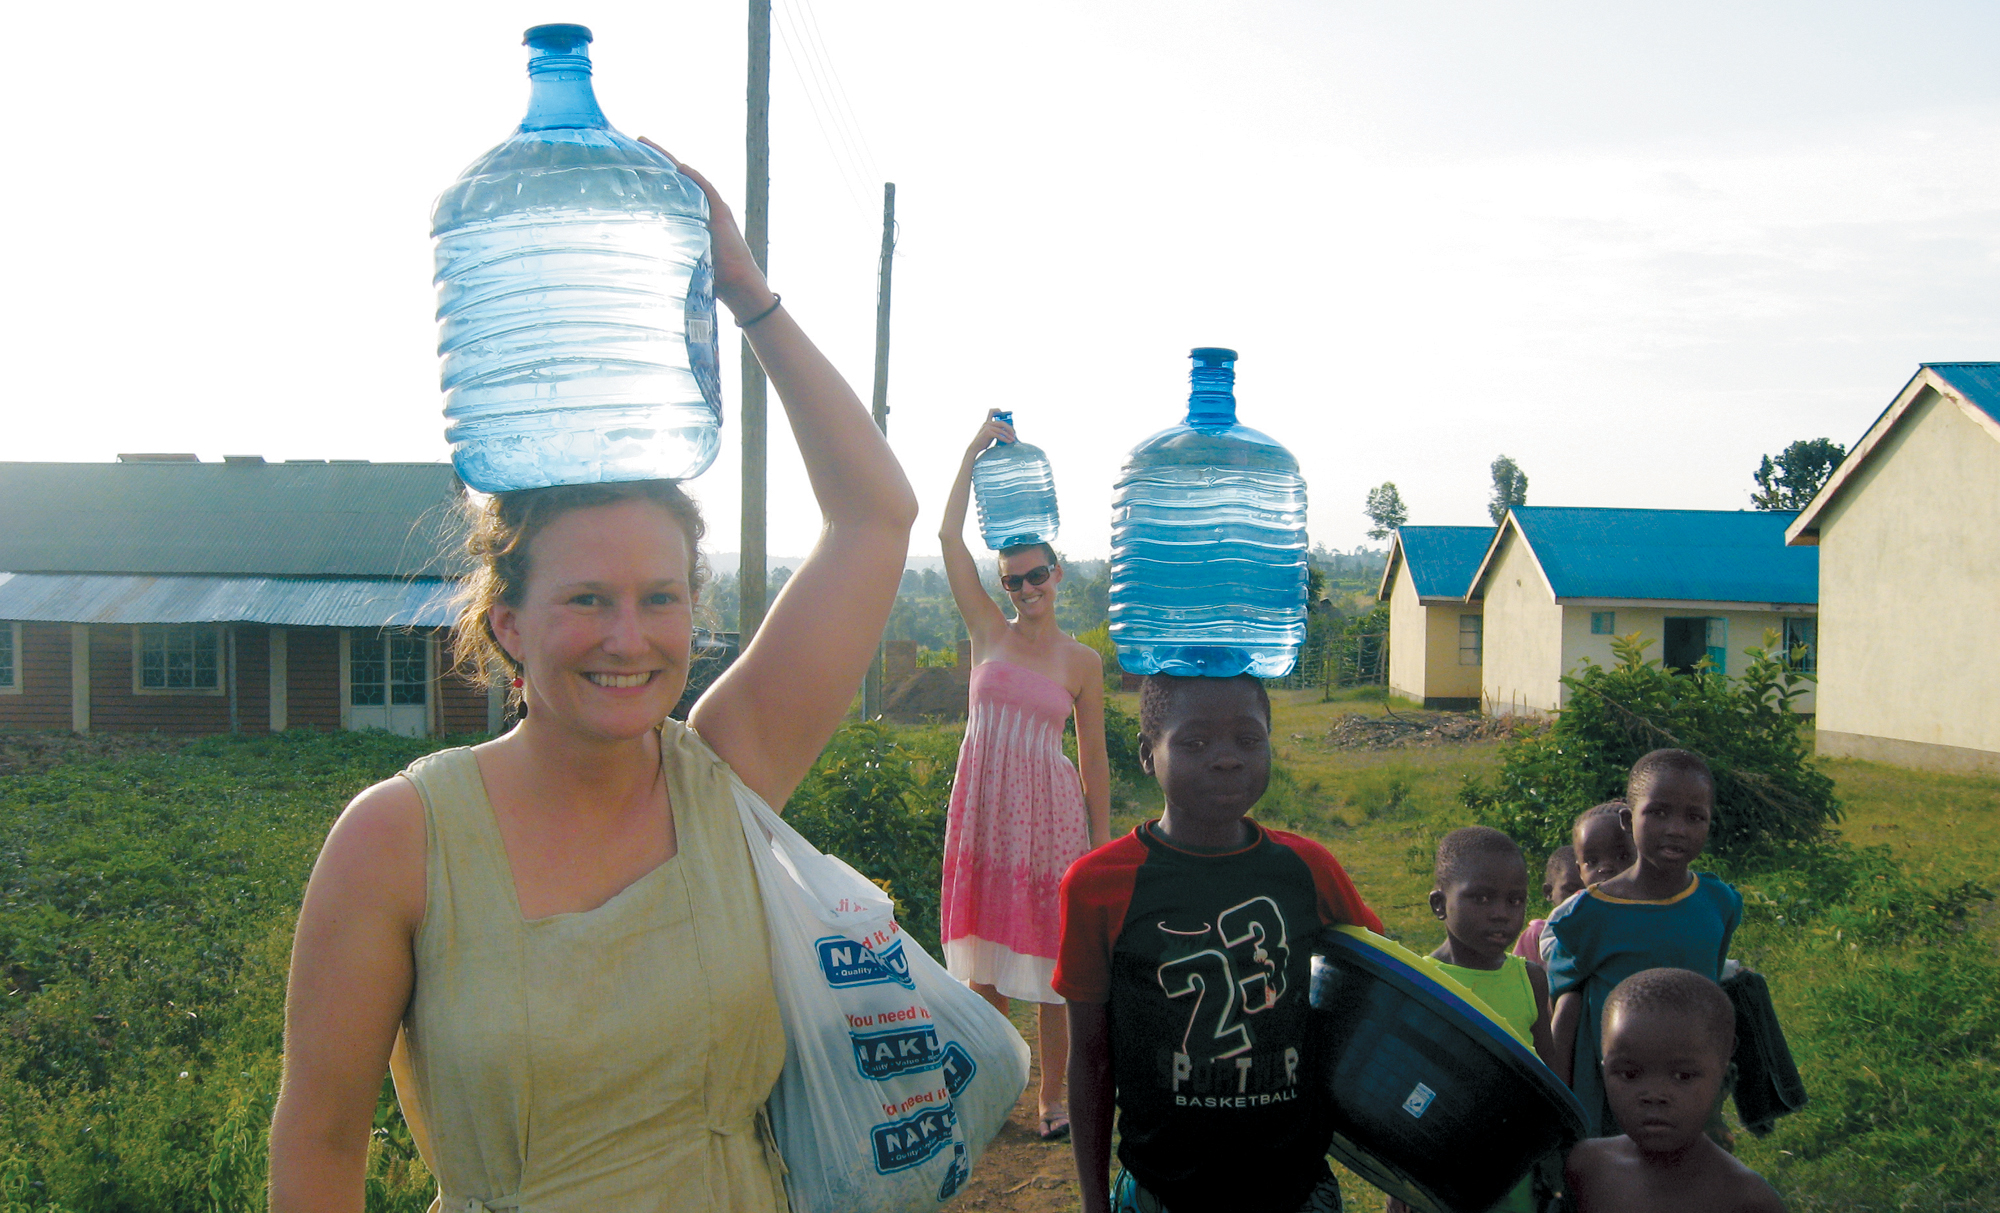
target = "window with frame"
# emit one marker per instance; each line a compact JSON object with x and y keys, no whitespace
{"x":1469,"y":637}
{"x":179,"y":657}
{"x":1802,"y":645}
{"x":387,"y":667}
{"x":10,"y":656}
{"x":1604,"y":623}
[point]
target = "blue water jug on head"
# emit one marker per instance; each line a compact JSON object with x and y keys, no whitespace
{"x":1015,"y":492}
{"x":576,"y":298}
{"x":1208,"y":543}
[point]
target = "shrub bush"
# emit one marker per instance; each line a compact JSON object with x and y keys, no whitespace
{"x":1769,"y":792}
{"x":878,"y":798}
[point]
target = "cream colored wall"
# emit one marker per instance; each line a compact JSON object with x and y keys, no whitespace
{"x":1524,"y":642}
{"x":1447,"y":679}
{"x":1910,"y":591}
{"x":1746,"y":631}
{"x":1406,"y":638}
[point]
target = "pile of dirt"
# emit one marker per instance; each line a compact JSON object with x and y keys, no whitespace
{"x":929,"y":694}
{"x":1407,"y":730}
{"x":25,"y":753}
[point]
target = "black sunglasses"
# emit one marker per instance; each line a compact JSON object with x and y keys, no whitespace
{"x":1034,"y":576}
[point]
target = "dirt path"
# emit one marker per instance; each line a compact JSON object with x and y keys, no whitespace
{"x":1019,"y":1173}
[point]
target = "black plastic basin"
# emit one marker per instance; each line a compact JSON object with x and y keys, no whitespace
{"x":1433,"y":1101}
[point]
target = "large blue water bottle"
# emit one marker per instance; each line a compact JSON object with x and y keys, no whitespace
{"x":1208,"y":543}
{"x":1016,"y":493}
{"x":576,"y":298}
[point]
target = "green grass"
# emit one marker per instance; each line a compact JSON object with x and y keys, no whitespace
{"x":147,"y":896}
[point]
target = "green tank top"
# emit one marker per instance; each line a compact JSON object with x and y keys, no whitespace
{"x":1512,"y":996}
{"x":1505,"y":989}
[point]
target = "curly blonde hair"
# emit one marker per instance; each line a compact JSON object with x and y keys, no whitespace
{"x":502,"y":529}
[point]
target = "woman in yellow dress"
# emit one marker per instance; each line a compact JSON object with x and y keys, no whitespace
{"x":557,"y":934}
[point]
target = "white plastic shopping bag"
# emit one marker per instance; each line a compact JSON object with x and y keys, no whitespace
{"x":896,"y":1075}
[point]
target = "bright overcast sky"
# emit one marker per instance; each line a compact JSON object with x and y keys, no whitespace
{"x":1634,"y":247}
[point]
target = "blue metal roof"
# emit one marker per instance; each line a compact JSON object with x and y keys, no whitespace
{"x":1670,"y":555}
{"x":352,"y":602}
{"x":1978,"y":382}
{"x":1441,"y":560}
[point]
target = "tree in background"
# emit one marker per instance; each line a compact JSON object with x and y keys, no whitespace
{"x":1795,"y":476}
{"x":1510,"y":488}
{"x":1385,"y":509}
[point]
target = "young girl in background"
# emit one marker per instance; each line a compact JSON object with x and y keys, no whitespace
{"x":1561,"y":880}
{"x":1602,"y":839}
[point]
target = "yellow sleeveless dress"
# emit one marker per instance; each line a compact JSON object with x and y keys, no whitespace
{"x":614,"y":1059}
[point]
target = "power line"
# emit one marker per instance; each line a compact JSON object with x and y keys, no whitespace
{"x":845,"y":108}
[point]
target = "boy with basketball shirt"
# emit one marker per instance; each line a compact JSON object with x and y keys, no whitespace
{"x":1186,"y":964}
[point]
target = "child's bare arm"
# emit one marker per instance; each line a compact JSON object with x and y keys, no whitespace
{"x":1579,"y":1175}
{"x":1562,"y":1032}
{"x":1544,"y":1029}
{"x":1090,"y":1101}
{"x":1754,"y":1193}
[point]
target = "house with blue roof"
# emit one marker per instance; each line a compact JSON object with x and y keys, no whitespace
{"x":1908,"y":531}
{"x":1435,"y":633}
{"x":1558,"y":584}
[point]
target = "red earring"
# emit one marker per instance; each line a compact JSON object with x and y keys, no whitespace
{"x":516,"y":684}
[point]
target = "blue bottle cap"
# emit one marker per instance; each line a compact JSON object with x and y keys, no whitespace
{"x":556,"y":38}
{"x":1210,"y":355}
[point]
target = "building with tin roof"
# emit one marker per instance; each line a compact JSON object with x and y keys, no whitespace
{"x":1559,"y":584}
{"x":1908,"y":531}
{"x":163,"y":593}
{"x":1435,"y":630}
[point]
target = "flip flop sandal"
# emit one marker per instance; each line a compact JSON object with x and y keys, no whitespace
{"x":1054,"y":1127}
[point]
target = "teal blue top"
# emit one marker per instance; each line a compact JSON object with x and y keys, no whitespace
{"x":1601,"y":940}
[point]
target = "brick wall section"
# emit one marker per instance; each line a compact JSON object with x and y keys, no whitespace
{"x":312,"y":679}
{"x":461,"y":704}
{"x":116,"y":708}
{"x":253,"y":677}
{"x":42,"y":666}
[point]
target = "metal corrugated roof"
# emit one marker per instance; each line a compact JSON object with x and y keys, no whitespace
{"x":1977,"y":382}
{"x":246,"y":519}
{"x":283,"y":602}
{"x":1670,"y":555}
{"x":1442,"y":559}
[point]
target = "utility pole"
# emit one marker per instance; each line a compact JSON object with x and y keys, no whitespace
{"x":871,"y":686}
{"x":750,"y":582}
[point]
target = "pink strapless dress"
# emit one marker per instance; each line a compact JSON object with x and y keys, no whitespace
{"x":1017,"y":822}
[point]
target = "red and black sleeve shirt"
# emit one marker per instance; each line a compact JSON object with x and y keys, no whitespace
{"x":1205,"y":961}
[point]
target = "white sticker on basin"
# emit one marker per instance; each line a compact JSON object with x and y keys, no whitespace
{"x":1418,"y":1100}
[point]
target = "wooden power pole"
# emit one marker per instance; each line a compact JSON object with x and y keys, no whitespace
{"x":871,"y":687}
{"x":750,"y":584}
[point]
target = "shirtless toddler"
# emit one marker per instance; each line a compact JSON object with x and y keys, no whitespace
{"x":1668,"y":1036}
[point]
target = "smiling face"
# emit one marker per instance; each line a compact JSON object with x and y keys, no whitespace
{"x":1484,"y":905}
{"x":1662,"y":1076}
{"x":1212,"y":754}
{"x":1670,"y":816}
{"x":1031,"y":601}
{"x":605,"y":622}
{"x":1603,"y":848}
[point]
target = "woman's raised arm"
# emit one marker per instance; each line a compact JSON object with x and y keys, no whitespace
{"x":983,"y":619}
{"x":772,"y":713}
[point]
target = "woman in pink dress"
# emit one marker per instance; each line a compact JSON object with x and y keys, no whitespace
{"x":1019,"y":812}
